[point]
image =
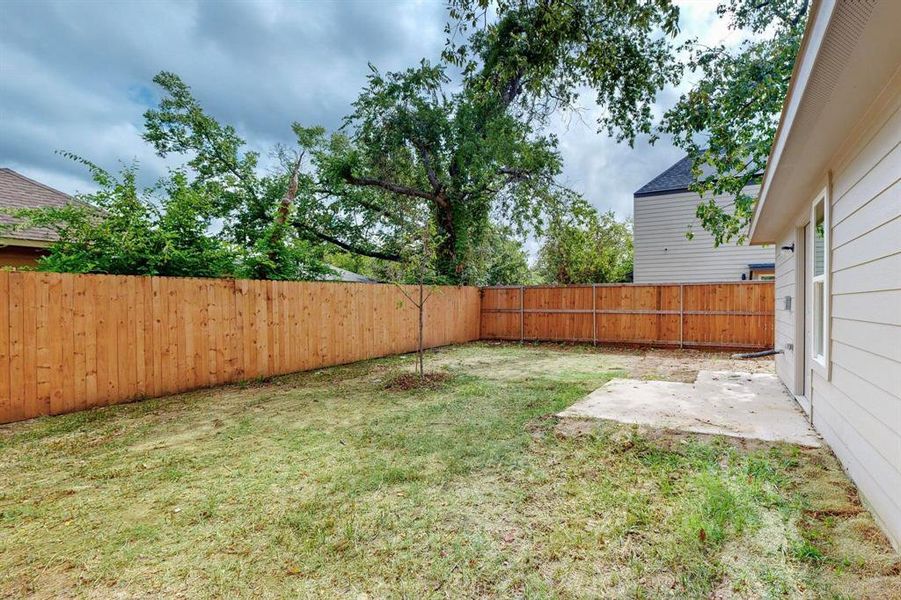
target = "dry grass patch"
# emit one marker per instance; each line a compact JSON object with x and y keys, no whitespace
{"x":324,"y":484}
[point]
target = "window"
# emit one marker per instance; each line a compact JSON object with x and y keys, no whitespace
{"x":818,"y":276}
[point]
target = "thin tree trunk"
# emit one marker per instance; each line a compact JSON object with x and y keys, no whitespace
{"x":421,"y":326}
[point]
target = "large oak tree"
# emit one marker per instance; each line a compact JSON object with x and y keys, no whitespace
{"x":474,"y":150}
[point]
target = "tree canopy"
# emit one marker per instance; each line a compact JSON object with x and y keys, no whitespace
{"x":467,"y":159}
{"x":410,"y":142}
{"x":122,"y":230}
{"x":539,"y":54}
{"x":582,"y":246}
{"x":727,"y":121}
{"x":479,"y":153}
{"x":256,"y":210}
{"x":544,"y":52}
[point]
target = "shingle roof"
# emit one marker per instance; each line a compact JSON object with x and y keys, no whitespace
{"x":675,"y":179}
{"x":345,"y":275}
{"x":18,"y":191}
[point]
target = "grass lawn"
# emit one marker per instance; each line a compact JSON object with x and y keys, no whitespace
{"x":328,"y":484}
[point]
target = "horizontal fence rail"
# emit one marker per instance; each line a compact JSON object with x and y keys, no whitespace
{"x":689,"y":315}
{"x":71,"y":342}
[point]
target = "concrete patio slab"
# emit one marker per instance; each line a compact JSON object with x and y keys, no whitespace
{"x":746,"y":405}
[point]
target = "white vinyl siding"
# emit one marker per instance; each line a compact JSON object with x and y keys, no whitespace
{"x":856,"y":403}
{"x":664,"y":254}
{"x":859,"y":409}
{"x":786,"y":287}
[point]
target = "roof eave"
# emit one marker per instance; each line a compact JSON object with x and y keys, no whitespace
{"x":25,"y":242}
{"x":682,"y":190}
{"x":829,"y":106}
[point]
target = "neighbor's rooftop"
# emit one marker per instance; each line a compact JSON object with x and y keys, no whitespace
{"x":674,"y":180}
{"x":18,"y":191}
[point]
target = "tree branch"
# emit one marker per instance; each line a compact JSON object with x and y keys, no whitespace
{"x":404,"y":292}
{"x":365,"y":204}
{"x":429,"y":168}
{"x":349,"y":247}
{"x":291,"y":193}
{"x":801,"y":12}
{"x":389,"y":186}
{"x":514,"y":174}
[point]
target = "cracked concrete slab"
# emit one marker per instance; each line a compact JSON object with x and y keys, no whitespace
{"x":747,"y":405}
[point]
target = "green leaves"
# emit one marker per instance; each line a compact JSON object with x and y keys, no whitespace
{"x":413,"y":147}
{"x":501,"y":260}
{"x":179,"y":125}
{"x":727,"y":122}
{"x":478,"y":156}
{"x":256,"y":212}
{"x":537,"y":55}
{"x":582,"y":246}
{"x":119,"y":230}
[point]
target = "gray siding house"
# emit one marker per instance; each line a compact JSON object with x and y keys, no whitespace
{"x":664,"y":210}
{"x":831,"y":203}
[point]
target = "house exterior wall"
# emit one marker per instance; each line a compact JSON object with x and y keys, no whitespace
{"x":20,"y":256}
{"x":855,"y":400}
{"x":664,"y":254}
{"x":789,"y":307}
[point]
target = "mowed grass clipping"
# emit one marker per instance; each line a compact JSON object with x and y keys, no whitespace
{"x":328,"y":484}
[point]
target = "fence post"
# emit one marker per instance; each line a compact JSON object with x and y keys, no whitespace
{"x":522,"y":326}
{"x":681,"y":315}
{"x":594,"y":314}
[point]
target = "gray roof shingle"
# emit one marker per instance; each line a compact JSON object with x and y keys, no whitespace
{"x":675,"y":179}
{"x":18,"y":191}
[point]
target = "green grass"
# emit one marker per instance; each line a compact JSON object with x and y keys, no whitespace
{"x":326,"y":484}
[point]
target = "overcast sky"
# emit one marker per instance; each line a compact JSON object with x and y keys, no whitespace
{"x":76,"y":76}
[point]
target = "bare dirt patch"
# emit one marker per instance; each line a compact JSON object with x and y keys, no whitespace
{"x":513,"y":361}
{"x":413,"y":381}
{"x":684,"y":365}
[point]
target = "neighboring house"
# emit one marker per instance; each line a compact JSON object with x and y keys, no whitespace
{"x":664,"y":212}
{"x":831,"y":203}
{"x":22,"y":248}
{"x":345,"y":275}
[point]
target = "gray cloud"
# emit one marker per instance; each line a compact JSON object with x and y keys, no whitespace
{"x":77,"y":76}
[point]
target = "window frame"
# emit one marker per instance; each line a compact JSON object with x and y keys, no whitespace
{"x":821,"y":361}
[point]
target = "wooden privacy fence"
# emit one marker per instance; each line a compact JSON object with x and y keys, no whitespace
{"x":690,"y":315}
{"x":70,"y":342}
